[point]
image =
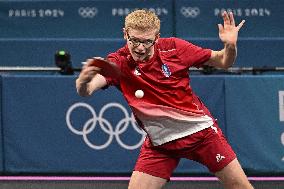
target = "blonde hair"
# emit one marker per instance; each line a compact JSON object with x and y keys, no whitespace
{"x":142,"y":20}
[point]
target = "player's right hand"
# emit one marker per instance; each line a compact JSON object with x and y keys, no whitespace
{"x":88,"y":71}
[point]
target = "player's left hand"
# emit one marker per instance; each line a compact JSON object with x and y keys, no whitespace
{"x":228,"y":32}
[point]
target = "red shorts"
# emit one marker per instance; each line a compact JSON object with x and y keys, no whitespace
{"x":208,"y":147}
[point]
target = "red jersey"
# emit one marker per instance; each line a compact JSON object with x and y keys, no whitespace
{"x":169,"y":109}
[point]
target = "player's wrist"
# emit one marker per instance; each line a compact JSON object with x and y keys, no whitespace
{"x":230,"y":45}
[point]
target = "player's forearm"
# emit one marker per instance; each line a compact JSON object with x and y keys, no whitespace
{"x":229,"y":55}
{"x":88,"y":88}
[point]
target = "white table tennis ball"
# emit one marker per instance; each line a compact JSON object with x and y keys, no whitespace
{"x":139,"y":94}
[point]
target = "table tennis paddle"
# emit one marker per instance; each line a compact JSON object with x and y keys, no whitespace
{"x":108,"y":69}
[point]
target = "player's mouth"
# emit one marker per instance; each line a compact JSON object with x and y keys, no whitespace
{"x":139,"y":54}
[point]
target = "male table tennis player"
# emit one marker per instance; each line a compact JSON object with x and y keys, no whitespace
{"x":177,"y":123}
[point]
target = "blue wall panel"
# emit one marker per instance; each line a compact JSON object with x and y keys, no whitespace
{"x":39,"y":132}
{"x":1,"y":132}
{"x":199,"y":18}
{"x":41,"y":52}
{"x":254,"y":127}
{"x":47,"y":127}
{"x":37,"y":136}
{"x":79,"y":19}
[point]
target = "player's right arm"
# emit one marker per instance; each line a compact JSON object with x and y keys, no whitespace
{"x":89,"y":80}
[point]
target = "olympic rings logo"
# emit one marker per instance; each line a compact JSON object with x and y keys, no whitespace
{"x":105,"y":125}
{"x":87,"y":12}
{"x":191,"y":12}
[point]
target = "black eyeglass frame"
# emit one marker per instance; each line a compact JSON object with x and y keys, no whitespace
{"x":137,"y":42}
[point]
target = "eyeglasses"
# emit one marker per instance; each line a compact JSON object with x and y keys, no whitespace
{"x":136,"y":42}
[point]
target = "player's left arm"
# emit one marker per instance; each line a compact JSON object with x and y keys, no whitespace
{"x":228,"y":33}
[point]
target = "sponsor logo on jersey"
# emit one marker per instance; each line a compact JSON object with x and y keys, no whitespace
{"x":219,"y":157}
{"x":137,"y":71}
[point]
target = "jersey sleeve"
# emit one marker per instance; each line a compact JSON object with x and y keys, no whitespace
{"x":190,"y":54}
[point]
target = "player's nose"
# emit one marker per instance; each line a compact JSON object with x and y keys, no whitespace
{"x":140,"y":47}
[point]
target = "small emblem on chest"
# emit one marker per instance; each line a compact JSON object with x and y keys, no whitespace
{"x":166,"y":70}
{"x":137,"y":71}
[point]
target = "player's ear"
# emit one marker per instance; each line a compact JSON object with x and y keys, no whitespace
{"x":157,"y":37}
{"x":124,"y":34}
